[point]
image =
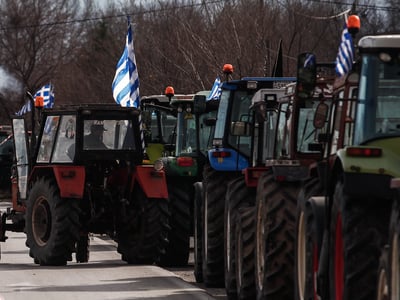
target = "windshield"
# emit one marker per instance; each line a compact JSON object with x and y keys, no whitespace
{"x":378,"y":112}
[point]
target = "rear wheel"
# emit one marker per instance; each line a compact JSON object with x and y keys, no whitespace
{"x":275,"y":231}
{"x":142,"y":234}
{"x":308,"y":242}
{"x":52,"y":224}
{"x":358,"y":233}
{"x":214,"y":185}
{"x":237,"y":195}
{"x":177,"y":250}
{"x":198,"y":225}
{"x":383,"y":277}
{"x":245,"y":244}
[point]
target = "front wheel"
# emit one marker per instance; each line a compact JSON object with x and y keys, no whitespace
{"x":52,"y":224}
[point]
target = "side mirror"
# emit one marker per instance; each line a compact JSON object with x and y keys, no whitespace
{"x":321,"y":113}
{"x":306,"y":75}
{"x":240,"y":128}
{"x":199,"y":104}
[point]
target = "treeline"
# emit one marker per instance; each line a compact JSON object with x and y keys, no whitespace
{"x":184,"y":43}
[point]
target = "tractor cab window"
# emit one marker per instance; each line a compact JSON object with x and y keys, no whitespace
{"x":48,"y":138}
{"x":206,"y":130}
{"x":240,"y":114}
{"x":307,"y":134}
{"x":162,"y":127}
{"x":186,"y":141}
{"x":65,"y":140}
{"x":108,"y":135}
{"x":378,"y":112}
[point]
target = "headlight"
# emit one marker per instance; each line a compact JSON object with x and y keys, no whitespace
{"x":158,"y":165}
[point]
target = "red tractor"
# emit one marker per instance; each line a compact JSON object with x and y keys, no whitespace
{"x":85,"y":174}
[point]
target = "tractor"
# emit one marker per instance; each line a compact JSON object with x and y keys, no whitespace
{"x":347,"y":230}
{"x":229,"y":155}
{"x":81,"y":172}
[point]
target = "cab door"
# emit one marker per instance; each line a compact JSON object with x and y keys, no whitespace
{"x":21,"y":155}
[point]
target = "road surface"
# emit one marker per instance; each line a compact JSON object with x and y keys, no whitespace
{"x":105,"y":276}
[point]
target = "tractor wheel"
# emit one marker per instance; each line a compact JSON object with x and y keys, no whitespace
{"x":82,"y":249}
{"x":177,"y":250}
{"x":237,"y":195}
{"x":198,"y":225}
{"x":245,"y":244}
{"x":214,"y":185}
{"x":275,"y":231}
{"x":308,"y":242}
{"x":393,"y":273}
{"x":384,"y":276}
{"x":142,"y":234}
{"x":359,"y":230}
{"x":52,"y":224}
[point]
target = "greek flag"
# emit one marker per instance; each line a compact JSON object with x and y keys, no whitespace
{"x":215,"y":93}
{"x":47,"y":92}
{"x":345,"y":57}
{"x":24,"y":109}
{"x":125,"y":85}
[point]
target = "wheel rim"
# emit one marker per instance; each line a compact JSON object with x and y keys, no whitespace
{"x":301,"y":257}
{"x":260,"y":247}
{"x":41,"y":221}
{"x":395,"y":272}
{"x":339,"y":259}
{"x":382,"y":292}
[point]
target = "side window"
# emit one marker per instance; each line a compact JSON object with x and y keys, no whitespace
{"x":47,"y":140}
{"x":65,"y":142}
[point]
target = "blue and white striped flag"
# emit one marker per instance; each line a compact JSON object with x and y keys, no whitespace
{"x":24,"y":109}
{"x":215,"y":92}
{"x":345,"y":57}
{"x":125,"y":85}
{"x":47,"y":92}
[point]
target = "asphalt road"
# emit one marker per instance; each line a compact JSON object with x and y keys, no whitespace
{"x":105,"y":276}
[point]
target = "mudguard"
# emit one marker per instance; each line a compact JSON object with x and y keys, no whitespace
{"x":152,"y":182}
{"x":233,"y":162}
{"x":70,"y":180}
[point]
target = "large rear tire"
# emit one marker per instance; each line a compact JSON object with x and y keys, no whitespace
{"x":392,"y":270}
{"x":142,"y":235}
{"x":238,"y":195}
{"x":275,"y":232}
{"x":308,"y":242}
{"x":359,"y":230}
{"x":198,"y":225}
{"x":178,"y":248}
{"x":214,"y":184}
{"x":245,"y":244}
{"x":52,"y":224}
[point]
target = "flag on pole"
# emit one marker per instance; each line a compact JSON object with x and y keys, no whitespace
{"x":47,"y":92}
{"x":345,"y":57}
{"x":24,"y":109}
{"x":125,"y":85}
{"x":215,"y":92}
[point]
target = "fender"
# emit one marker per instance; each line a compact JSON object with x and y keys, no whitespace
{"x":226,"y":159}
{"x":366,"y":176}
{"x":70,"y":179}
{"x":152,"y":182}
